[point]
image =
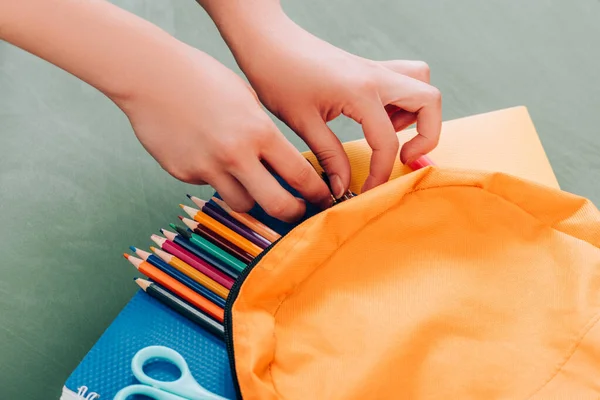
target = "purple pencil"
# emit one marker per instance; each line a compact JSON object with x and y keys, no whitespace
{"x":220,"y":215}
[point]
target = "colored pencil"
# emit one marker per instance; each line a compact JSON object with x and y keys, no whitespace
{"x":421,"y":162}
{"x":247,"y":220}
{"x":176,"y":287}
{"x":191,"y":273}
{"x":216,"y":240}
{"x":221,"y":254}
{"x":196,"y":263}
{"x":180,"y":276}
{"x":222,"y":230}
{"x":210,"y":248}
{"x":221,"y":216}
{"x":182,"y":307}
{"x":208,"y":258}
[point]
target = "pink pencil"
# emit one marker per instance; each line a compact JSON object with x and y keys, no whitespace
{"x":193,"y":261}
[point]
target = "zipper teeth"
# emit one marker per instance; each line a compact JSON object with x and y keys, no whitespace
{"x":233,"y":294}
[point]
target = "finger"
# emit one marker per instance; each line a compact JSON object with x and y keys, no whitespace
{"x":402,"y":119}
{"x":329,"y":151}
{"x":382,"y":139}
{"x":415,"y":69}
{"x":234,"y":194}
{"x":272,"y":197}
{"x":426,"y":102}
{"x":288,"y":163}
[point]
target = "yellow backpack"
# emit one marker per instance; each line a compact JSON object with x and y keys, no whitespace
{"x":441,"y":284}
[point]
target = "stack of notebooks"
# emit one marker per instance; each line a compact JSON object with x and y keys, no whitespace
{"x":503,"y":141}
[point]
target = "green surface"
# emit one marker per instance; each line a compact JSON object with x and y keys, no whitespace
{"x":76,"y":188}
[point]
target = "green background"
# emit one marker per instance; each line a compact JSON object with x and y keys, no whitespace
{"x":76,"y":188}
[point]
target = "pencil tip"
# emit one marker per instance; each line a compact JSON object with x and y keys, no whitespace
{"x":180,"y":217}
{"x":189,"y":196}
{"x":181,"y":206}
{"x":172,"y":225}
{"x":133,"y":248}
{"x":126,"y":256}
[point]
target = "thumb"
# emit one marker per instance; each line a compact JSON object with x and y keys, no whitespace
{"x":329,"y":151}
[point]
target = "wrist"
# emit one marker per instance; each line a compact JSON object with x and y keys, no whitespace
{"x":246,"y":25}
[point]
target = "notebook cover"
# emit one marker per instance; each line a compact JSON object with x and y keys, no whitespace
{"x":504,"y":141}
{"x":144,"y":321}
{"x":499,"y":141}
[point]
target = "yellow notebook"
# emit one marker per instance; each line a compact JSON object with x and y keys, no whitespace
{"x":500,"y":141}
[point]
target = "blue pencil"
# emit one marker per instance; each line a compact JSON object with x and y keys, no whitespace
{"x":175,"y":274}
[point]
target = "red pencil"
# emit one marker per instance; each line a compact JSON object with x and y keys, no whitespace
{"x":193,"y":261}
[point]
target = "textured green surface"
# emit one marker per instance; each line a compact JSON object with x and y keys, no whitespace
{"x":76,"y":188}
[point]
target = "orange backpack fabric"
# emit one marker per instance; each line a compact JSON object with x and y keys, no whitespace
{"x":441,"y":284}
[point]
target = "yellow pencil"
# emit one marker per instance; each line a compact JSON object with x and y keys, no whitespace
{"x":191,"y":272}
{"x":222,"y":230}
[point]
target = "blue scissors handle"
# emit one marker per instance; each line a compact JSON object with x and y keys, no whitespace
{"x":185,"y":387}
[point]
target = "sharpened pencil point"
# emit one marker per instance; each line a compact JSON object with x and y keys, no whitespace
{"x":173,"y":226}
{"x":189,"y":196}
{"x":126,"y":256}
{"x":198,"y":201}
{"x":190,"y":210}
{"x":169,"y":235}
{"x":132,"y":248}
{"x":134,"y":260}
{"x":189,"y":223}
{"x":143,"y":283}
{"x":159,"y":240}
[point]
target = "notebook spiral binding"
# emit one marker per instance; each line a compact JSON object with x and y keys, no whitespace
{"x":84,"y":395}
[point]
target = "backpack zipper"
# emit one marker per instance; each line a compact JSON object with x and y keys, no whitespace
{"x":233,"y":294}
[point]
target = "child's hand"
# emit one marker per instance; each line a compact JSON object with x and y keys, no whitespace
{"x":201,"y":121}
{"x":204,"y":124}
{"x":307,"y":82}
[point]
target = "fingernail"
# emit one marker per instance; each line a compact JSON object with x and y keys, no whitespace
{"x":420,"y":162}
{"x":327,"y":202}
{"x":337,"y":186}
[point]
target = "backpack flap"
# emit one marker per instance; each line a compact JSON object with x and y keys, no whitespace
{"x":439,"y":284}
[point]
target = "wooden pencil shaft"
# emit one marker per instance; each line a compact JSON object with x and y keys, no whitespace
{"x":181,"y":290}
{"x":185,"y":309}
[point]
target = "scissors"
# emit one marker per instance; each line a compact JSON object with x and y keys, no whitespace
{"x":184,"y":388}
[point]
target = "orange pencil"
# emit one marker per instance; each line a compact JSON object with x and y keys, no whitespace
{"x":247,"y":220}
{"x":222,"y":230}
{"x":191,"y":272}
{"x":176,"y":287}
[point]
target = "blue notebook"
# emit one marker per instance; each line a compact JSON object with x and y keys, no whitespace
{"x":144,"y":321}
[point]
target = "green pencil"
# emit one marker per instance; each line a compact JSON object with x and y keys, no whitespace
{"x":213,"y":250}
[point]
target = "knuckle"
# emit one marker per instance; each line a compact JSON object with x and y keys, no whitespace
{"x":301,"y":176}
{"x":367,"y":84}
{"x":276,"y":208}
{"x":391,"y":146}
{"x":423,"y":71}
{"x":242,"y":205}
{"x":261,"y":130}
{"x":231,"y":156}
{"x":195,"y":177}
{"x":434,"y":95}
